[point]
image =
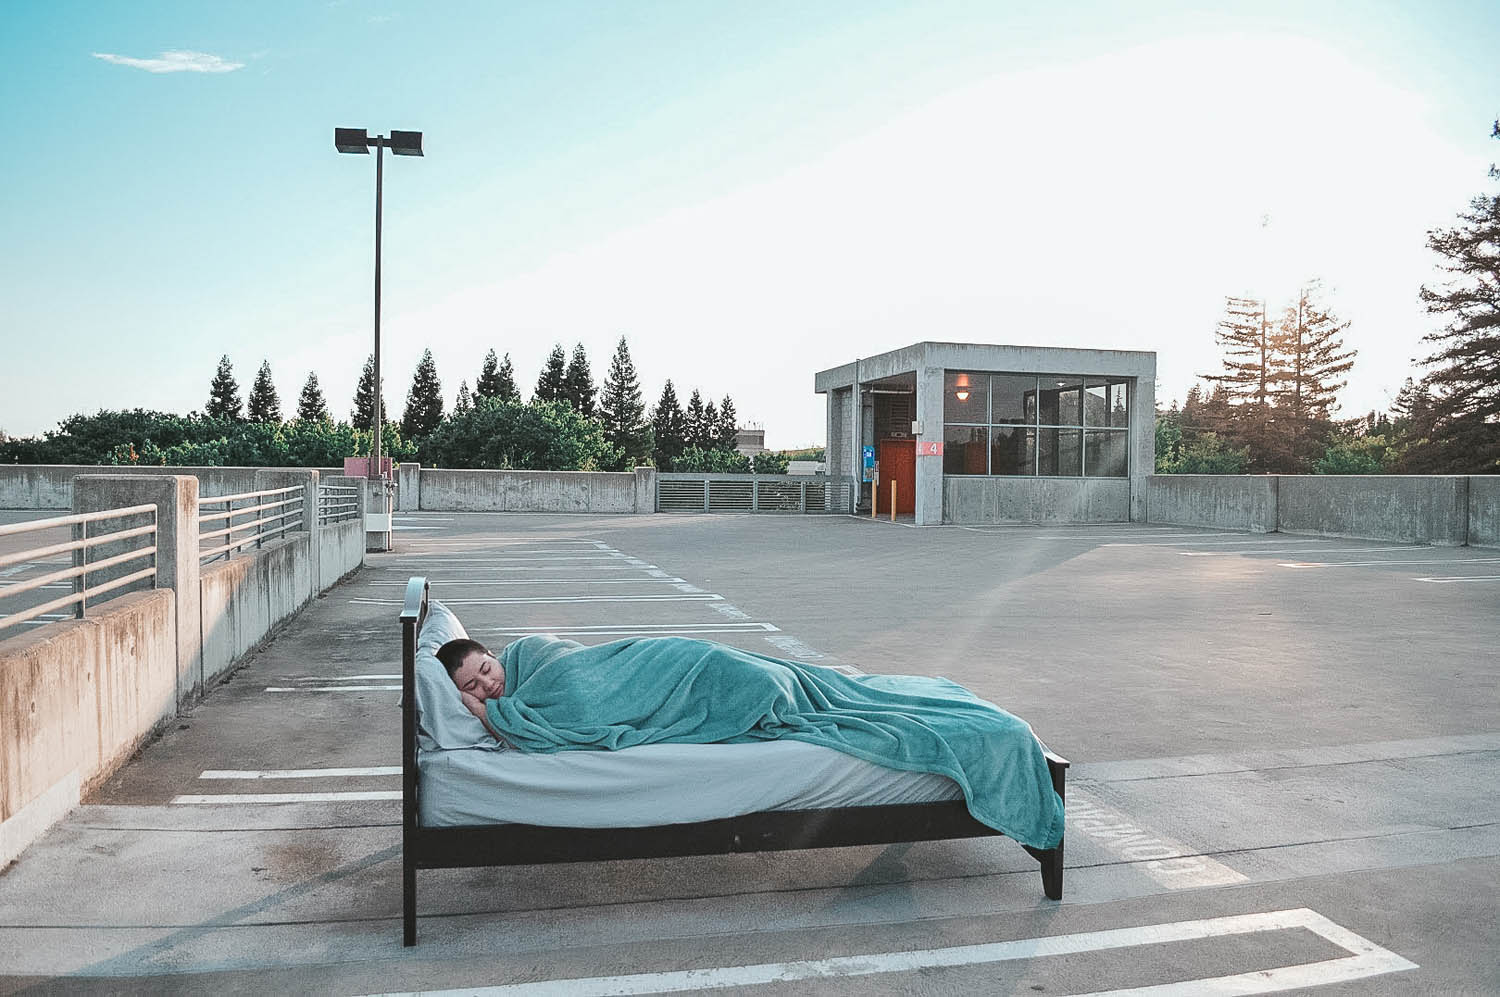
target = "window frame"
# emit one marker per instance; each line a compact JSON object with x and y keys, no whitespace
{"x":1083,"y":426}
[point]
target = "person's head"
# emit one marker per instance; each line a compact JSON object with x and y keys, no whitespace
{"x":473,"y":668}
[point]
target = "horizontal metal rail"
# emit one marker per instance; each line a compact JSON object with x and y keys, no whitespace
{"x":82,"y":568}
{"x":287,"y":519}
{"x":338,"y":503}
{"x":244,"y":496}
{"x":241,"y":527}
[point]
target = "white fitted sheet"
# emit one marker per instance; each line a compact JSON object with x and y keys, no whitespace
{"x":656,"y":784}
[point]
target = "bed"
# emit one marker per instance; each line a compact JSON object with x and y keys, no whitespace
{"x":444,"y":829}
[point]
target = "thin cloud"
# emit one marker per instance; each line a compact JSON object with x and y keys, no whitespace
{"x":175,"y":61}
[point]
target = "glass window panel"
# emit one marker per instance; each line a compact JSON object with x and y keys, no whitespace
{"x":964,"y":449}
{"x":1012,"y":450}
{"x":1061,"y":401}
{"x":1106,"y":453}
{"x":1095,"y":402}
{"x":974,"y":405}
{"x":1060,"y":451}
{"x":1119,"y":404}
{"x":1013,"y":398}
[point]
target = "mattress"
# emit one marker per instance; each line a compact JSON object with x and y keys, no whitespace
{"x":656,"y":784}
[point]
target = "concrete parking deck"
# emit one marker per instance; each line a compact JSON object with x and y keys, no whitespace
{"x":1285,"y":753}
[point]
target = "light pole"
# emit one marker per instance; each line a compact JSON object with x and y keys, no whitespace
{"x":354,"y":140}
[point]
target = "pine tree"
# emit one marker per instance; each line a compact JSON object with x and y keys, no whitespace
{"x":223,"y":393}
{"x":310,"y":404}
{"x":578,"y":382}
{"x":729,"y":429}
{"x":508,"y":392}
{"x":710,"y":426}
{"x":462,"y":403}
{"x":549,"y":386}
{"x":694,"y":431}
{"x":488,"y":384}
{"x":668,"y":429}
{"x":1461,"y":430}
{"x":1310,"y":357}
{"x":265,"y":404}
{"x":363,"y":415}
{"x":424,"y":400}
{"x":621,"y":409}
{"x":1248,"y":383}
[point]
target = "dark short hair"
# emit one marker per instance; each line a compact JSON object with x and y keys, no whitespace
{"x":453,"y":653}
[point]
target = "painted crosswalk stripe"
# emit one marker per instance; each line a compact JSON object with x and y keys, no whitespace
{"x":333,"y":773}
{"x":1365,"y":959}
{"x":334,"y":797}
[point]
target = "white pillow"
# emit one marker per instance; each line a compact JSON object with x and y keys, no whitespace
{"x":442,"y":721}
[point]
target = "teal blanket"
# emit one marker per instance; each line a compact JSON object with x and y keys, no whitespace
{"x":563,"y":696}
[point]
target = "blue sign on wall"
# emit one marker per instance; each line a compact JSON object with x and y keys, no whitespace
{"x":869,"y":463}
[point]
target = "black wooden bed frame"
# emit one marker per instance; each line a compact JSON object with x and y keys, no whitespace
{"x":777,"y":830}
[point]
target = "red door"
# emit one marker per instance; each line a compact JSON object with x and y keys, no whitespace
{"x":898,"y":463}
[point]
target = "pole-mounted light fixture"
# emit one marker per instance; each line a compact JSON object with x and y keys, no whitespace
{"x":358,"y":142}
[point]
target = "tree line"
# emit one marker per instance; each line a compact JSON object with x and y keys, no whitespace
{"x":1271,"y":407}
{"x":567,"y":424}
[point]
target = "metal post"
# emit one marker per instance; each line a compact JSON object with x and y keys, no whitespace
{"x":81,"y":560}
{"x":374,"y":468}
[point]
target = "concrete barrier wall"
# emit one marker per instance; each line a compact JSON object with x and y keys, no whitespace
{"x":1484,"y":510}
{"x":1235,"y":502}
{"x":968,"y":500}
{"x":50,"y":486}
{"x":77,"y":698}
{"x":1412,"y":509}
{"x":1436,"y":509}
{"x":530,"y":491}
{"x":341,"y":550}
{"x":246,"y":597}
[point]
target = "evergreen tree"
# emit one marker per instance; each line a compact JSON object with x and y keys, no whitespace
{"x":507,"y":389}
{"x":310,"y":404}
{"x":578,"y":382}
{"x":1248,"y":381}
{"x":621,"y":409}
{"x":424,"y":400}
{"x":1310,"y":360}
{"x":710,"y":426}
{"x":1460,"y":432}
{"x":1412,"y":408}
{"x":265,"y":404}
{"x":223,"y":393}
{"x":694,"y":432}
{"x":488,"y":383}
{"x":549,"y":386}
{"x":728,"y":430}
{"x":463,"y":402}
{"x":363,"y":415}
{"x":668,"y":429}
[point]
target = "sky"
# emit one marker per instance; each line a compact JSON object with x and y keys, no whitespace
{"x":747,"y":192}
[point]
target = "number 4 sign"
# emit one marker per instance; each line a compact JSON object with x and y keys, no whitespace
{"x":933,"y":448}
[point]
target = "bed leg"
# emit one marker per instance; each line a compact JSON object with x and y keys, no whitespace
{"x":408,"y":900}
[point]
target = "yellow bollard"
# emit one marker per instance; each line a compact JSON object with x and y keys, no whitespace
{"x":893,"y":501}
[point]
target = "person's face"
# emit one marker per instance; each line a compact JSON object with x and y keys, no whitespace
{"x":480,"y":675}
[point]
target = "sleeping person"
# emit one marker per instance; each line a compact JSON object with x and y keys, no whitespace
{"x":547,"y":694}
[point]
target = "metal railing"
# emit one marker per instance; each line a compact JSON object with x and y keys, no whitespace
{"x":798,"y":493}
{"x":286,"y":514}
{"x":79,"y":547}
{"x":337,"y":503}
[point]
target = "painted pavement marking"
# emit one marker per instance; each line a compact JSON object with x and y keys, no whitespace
{"x":332,"y":688}
{"x":1365,"y":959}
{"x":407,"y":568}
{"x":1171,"y":864}
{"x":1459,"y":578}
{"x":1341,"y":550}
{"x":203,"y":799}
{"x":543,"y":600}
{"x":544,"y":581}
{"x":1391,"y":560}
{"x":633,"y":630}
{"x":332,"y":773}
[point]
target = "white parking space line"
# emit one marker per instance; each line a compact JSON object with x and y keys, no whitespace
{"x":551,"y":600}
{"x":633,"y":630}
{"x":445,"y":565}
{"x":543,"y":581}
{"x":336,"y":797}
{"x":314,"y":679}
{"x":331,"y":688}
{"x":1214,"y":543}
{"x":1141,"y":536}
{"x":1339,"y":550}
{"x":1391,"y":560}
{"x":546,"y":555}
{"x":1365,"y":959}
{"x":1459,"y":578}
{"x":374,"y":770}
